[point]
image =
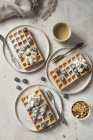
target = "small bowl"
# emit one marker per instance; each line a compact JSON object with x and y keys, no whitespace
{"x":78,"y":108}
{"x":61,"y":32}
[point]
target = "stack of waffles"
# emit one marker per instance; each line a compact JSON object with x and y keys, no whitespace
{"x":69,"y":70}
{"x":39,"y":110}
{"x":25,"y":47}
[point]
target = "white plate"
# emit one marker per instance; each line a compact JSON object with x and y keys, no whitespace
{"x":21,"y":112}
{"x":42,"y":42}
{"x":79,"y":85}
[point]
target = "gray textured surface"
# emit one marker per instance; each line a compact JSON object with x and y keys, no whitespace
{"x":79,"y":15}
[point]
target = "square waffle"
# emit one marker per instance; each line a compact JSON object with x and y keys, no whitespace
{"x":39,"y":110}
{"x":69,"y":70}
{"x":24,"y":46}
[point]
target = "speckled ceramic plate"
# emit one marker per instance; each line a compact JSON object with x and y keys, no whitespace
{"x":80,"y":84}
{"x":21,"y":112}
{"x":42,"y":42}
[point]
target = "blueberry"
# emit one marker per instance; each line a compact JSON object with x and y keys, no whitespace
{"x":66,"y":96}
{"x":29,"y":110}
{"x":28,"y":53}
{"x":43,"y":113}
{"x":30,"y":40}
{"x":34,"y":118}
{"x":18,"y":87}
{"x":43,"y":78}
{"x":23,"y":48}
{"x":25,"y":81}
{"x":36,"y":111}
{"x":34,"y":49}
{"x":17,"y":79}
{"x":20,"y":55}
{"x":77,"y":74}
{"x":75,"y":70}
{"x":28,"y":46}
{"x":25,"y":30}
{"x":73,"y":66}
{"x":81,"y":66}
{"x":57,"y":70}
{"x":45,"y":106}
{"x":49,"y":116}
{"x":64,"y":73}
{"x":43,"y":125}
{"x":62,"y":78}
{"x":36,"y":102}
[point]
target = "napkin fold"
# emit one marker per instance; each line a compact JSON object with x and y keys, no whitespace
{"x":26,"y":8}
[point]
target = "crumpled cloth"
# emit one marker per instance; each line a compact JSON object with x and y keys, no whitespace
{"x":26,"y":8}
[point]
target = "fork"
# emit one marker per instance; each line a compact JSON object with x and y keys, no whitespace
{"x":52,"y":99}
{"x":14,"y":60}
{"x":59,"y":57}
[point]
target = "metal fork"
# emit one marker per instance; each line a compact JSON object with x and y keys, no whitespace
{"x":14,"y":60}
{"x":59,"y":57}
{"x":52,"y":99}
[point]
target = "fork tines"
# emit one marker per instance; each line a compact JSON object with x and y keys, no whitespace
{"x":56,"y":59}
{"x":50,"y":96}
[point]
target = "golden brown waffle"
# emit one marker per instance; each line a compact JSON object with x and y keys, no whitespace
{"x":24,"y":45}
{"x":69,"y":70}
{"x":39,"y":110}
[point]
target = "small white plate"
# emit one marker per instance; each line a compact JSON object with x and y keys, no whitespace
{"x":42,"y":42}
{"x":79,"y":85}
{"x":21,"y":112}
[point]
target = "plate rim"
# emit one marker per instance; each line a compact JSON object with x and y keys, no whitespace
{"x":48,"y":46}
{"x":21,"y":93}
{"x":62,"y":92}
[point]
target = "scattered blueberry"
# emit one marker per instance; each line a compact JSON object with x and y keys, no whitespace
{"x":43,"y":78}
{"x":18,"y":87}
{"x":17,"y":79}
{"x":25,"y":81}
{"x":66,"y":96}
{"x":63,"y":136}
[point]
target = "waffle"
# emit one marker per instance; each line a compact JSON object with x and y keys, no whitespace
{"x":39,"y":110}
{"x":69,"y":70}
{"x":24,"y":47}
